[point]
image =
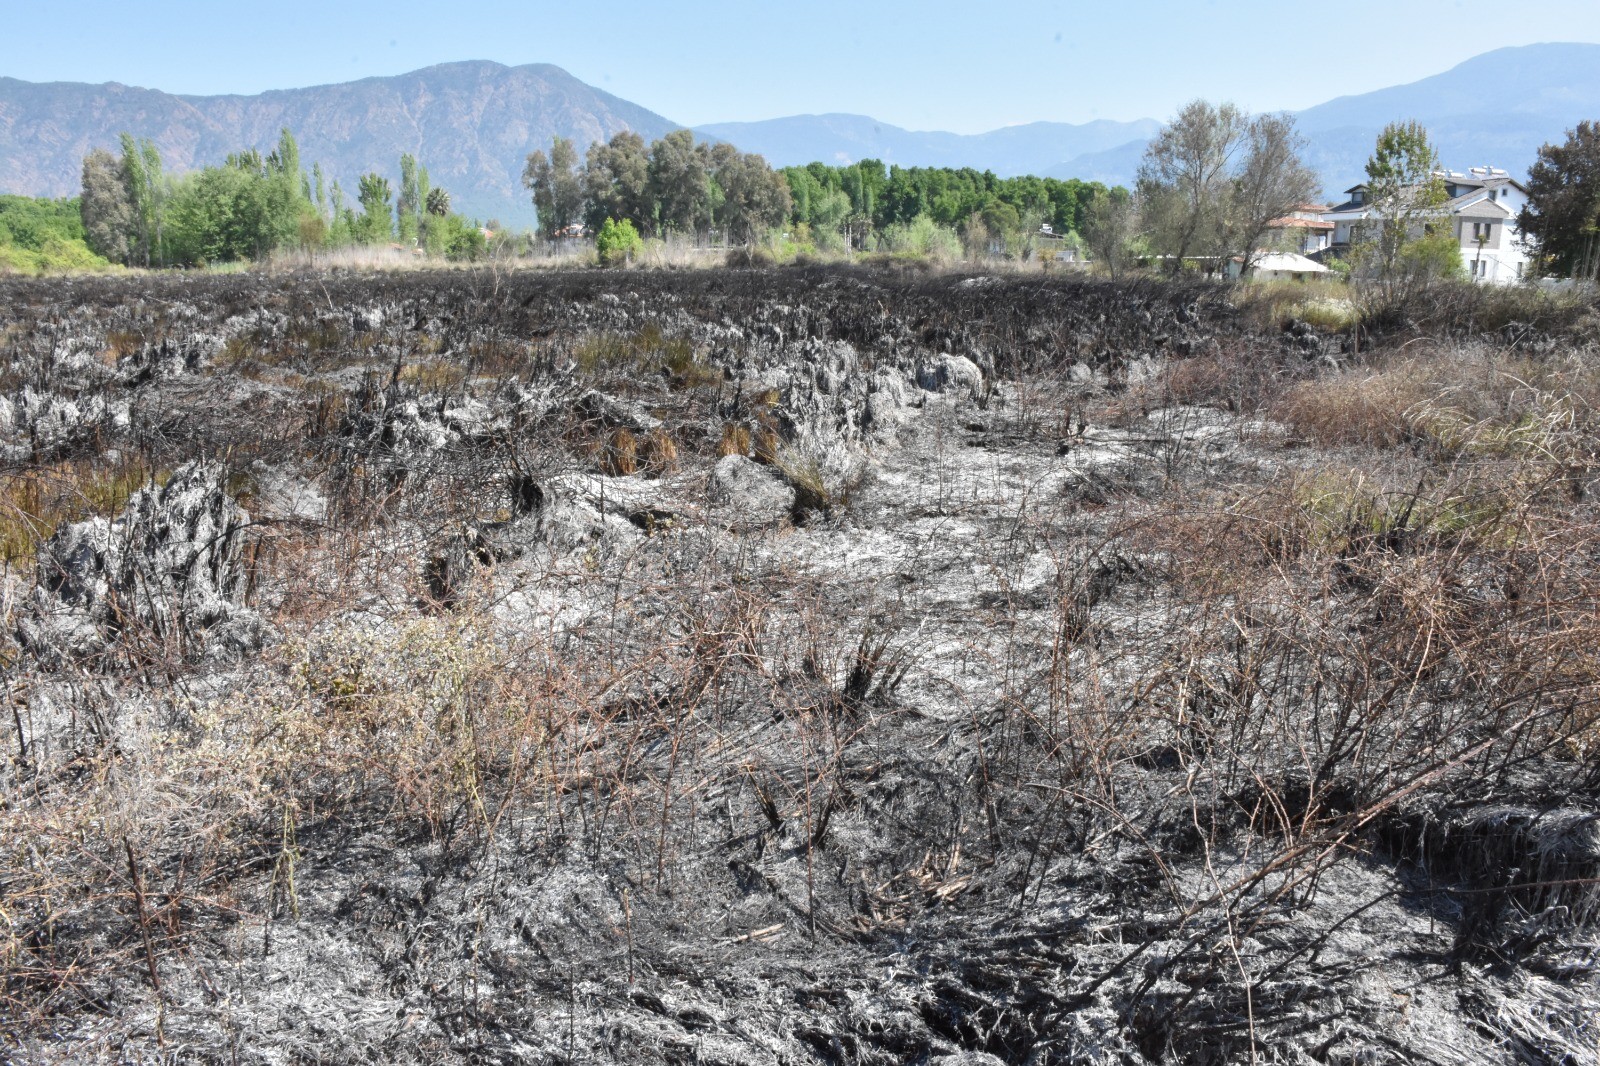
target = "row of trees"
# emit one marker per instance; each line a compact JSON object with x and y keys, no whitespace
{"x":250,"y":206}
{"x":990,"y":213}
{"x":672,"y":186}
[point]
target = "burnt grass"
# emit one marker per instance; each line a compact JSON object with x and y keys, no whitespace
{"x":791,"y":666}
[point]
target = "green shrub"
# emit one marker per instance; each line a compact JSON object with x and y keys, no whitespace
{"x":923,"y":237}
{"x":617,"y":243}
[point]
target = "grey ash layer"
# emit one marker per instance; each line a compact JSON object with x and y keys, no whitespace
{"x":901,"y":735}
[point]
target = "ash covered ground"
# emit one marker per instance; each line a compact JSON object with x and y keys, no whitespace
{"x":791,"y":667}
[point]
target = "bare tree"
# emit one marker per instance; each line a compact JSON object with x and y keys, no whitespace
{"x":1185,"y":178}
{"x":1272,"y":181}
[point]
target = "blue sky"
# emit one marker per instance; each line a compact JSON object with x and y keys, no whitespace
{"x":965,"y":67}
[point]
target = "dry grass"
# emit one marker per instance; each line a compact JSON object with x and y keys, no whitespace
{"x":735,"y":440}
{"x":36,"y":501}
{"x":1455,"y":402}
{"x":658,"y":454}
{"x":1325,"y":304}
{"x":433,"y":376}
{"x":619,"y":455}
{"x":646,"y":352}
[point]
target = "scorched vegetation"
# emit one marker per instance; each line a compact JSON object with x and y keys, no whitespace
{"x":794,"y":666}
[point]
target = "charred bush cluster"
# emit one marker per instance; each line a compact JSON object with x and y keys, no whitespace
{"x":792,"y":666}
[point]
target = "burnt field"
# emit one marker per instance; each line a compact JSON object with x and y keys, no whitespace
{"x":794,"y":667}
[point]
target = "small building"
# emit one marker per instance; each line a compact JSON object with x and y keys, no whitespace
{"x":1277,"y":266}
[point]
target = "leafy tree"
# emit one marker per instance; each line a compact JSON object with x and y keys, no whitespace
{"x":228,"y":213}
{"x":41,"y":236}
{"x":922,"y":236}
{"x":408,"y":208}
{"x":141,"y":175}
{"x":556,"y":185}
{"x":679,"y":172}
{"x":1002,"y":220}
{"x":1406,"y":242}
{"x":28,"y":223}
{"x":754,"y":197}
{"x":616,"y":183}
{"x":287,"y":194}
{"x":320,"y":188}
{"x":1562,"y":219}
{"x":457,"y":238}
{"x":376,"y":222}
{"x":1111,"y":224}
{"x":342,"y":223}
{"x":438,"y":202}
{"x":105,"y":206}
{"x":617,"y":242}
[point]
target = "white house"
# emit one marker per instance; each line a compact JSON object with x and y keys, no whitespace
{"x":1482,"y":212}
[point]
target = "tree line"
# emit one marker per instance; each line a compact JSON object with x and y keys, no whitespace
{"x":989,"y":213}
{"x":1209,"y":187}
{"x":674,"y":185}
{"x":671,"y":186}
{"x":133,"y":213}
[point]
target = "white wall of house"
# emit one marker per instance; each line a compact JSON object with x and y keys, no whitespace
{"x":1491,"y":249}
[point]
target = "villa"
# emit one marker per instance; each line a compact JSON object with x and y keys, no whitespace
{"x":1482,"y":209}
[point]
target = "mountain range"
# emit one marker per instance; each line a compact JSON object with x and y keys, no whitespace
{"x":473,"y":123}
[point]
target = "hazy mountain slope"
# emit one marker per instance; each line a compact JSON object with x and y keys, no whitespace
{"x":1028,"y":149}
{"x":472,"y":124}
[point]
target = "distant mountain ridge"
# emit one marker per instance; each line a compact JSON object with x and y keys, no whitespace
{"x":834,"y":139}
{"x":1496,"y":108}
{"x":473,"y":123}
